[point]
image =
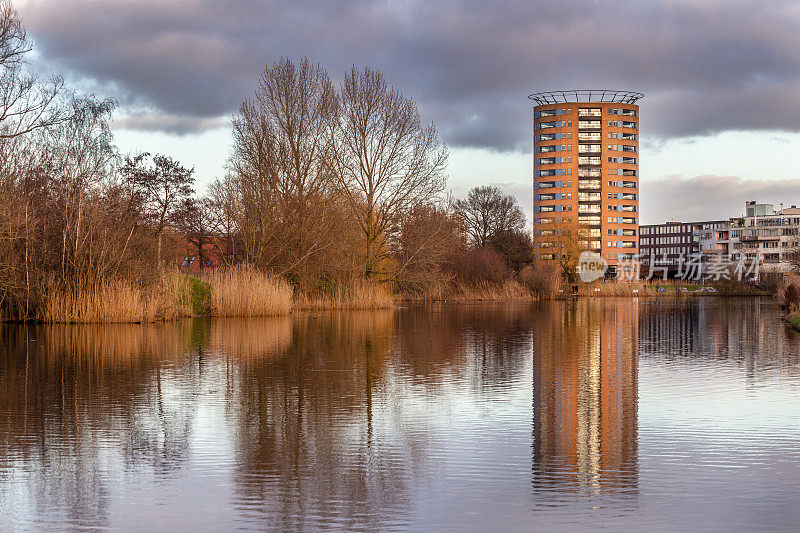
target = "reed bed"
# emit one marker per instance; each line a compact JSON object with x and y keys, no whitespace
{"x":615,"y":289}
{"x":544,"y":280}
{"x":509,"y":290}
{"x":241,"y":292}
{"x":112,"y":301}
{"x":357,"y":294}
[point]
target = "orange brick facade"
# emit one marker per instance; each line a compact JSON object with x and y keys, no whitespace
{"x":586,"y":174}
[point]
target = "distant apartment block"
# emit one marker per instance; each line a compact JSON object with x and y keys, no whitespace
{"x":668,"y":246}
{"x":762,"y":235}
{"x":766,"y":234}
{"x":586,"y":173}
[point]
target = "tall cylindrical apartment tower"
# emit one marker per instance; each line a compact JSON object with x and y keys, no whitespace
{"x":586,"y":174}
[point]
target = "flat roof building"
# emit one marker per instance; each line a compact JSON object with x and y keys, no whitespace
{"x":586,"y":173}
{"x":767,"y":236}
{"x":667,"y":248}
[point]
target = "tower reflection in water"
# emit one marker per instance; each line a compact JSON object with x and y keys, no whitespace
{"x":585,"y":365}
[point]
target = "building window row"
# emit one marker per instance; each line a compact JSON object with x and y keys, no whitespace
{"x":631,"y":208}
{"x":590,"y":112}
{"x":680,"y":239}
{"x":589,"y":197}
{"x":552,"y":136}
{"x":622,"y":220}
{"x":667,"y":229}
{"x":590,"y":136}
{"x":622,"y":244}
{"x":622,"y":196}
{"x":622,"y":172}
{"x":626,"y":184}
{"x":552,"y":112}
{"x":551,"y":208}
{"x":624,"y":232}
{"x":622,"y":148}
{"x":552,"y":160}
{"x":553,"y":196}
{"x":622,"y":124}
{"x":588,"y":184}
{"x":623,"y":160}
{"x":623,"y":136}
{"x":591,"y":148}
{"x":553,"y":148}
{"x":553,"y":172}
{"x":589,"y":125}
{"x":552,"y":124}
{"x":624,"y":112}
{"x":557,"y":220}
{"x":589,"y":173}
{"x":552,"y":184}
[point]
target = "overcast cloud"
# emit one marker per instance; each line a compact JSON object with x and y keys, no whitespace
{"x":712,"y":197}
{"x":705,"y":65}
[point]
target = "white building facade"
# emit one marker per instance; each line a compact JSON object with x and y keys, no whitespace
{"x":765,"y":234}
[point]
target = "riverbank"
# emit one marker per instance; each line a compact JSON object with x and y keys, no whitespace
{"x":246,"y":292}
{"x":657,"y":288}
{"x":788,"y":294}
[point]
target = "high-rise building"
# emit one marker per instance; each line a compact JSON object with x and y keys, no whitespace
{"x":586,"y":173}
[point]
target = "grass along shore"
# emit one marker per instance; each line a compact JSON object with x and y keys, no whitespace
{"x":246,"y":292}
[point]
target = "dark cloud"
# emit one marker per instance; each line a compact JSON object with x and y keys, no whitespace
{"x":705,"y":65}
{"x":177,"y":124}
{"x":711,"y":197}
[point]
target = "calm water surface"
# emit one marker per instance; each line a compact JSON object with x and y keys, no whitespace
{"x":624,"y":414}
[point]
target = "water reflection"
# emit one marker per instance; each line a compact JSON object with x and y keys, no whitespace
{"x":585,"y":399}
{"x":476,"y":417}
{"x":745,"y":332}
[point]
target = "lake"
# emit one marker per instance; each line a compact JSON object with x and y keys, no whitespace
{"x":655,"y":414}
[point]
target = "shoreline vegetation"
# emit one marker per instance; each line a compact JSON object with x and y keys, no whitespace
{"x":246,"y":292}
{"x":788,"y":294}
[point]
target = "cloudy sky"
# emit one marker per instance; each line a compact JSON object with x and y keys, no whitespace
{"x":720,"y":122}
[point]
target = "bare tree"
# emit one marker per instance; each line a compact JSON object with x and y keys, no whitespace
{"x":563,"y":242}
{"x":281,"y":145}
{"x":794,"y":260}
{"x":489,"y":214}
{"x":386,"y":162}
{"x":224,"y":206}
{"x":430,"y":237}
{"x":81,"y":158}
{"x":25,"y":103}
{"x":196,"y":221}
{"x":162,"y":186}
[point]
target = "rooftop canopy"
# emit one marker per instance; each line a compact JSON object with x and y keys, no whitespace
{"x":586,"y":95}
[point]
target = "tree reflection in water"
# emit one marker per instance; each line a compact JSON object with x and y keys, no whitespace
{"x":429,"y":417}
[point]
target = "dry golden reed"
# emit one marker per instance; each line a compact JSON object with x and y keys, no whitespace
{"x":491,"y":292}
{"x":241,"y":291}
{"x":108,"y":302}
{"x":357,"y":294}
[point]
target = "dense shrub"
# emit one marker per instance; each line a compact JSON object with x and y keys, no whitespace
{"x":789,"y":292}
{"x":543,"y":280}
{"x":195,"y":295}
{"x":480,"y":265}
